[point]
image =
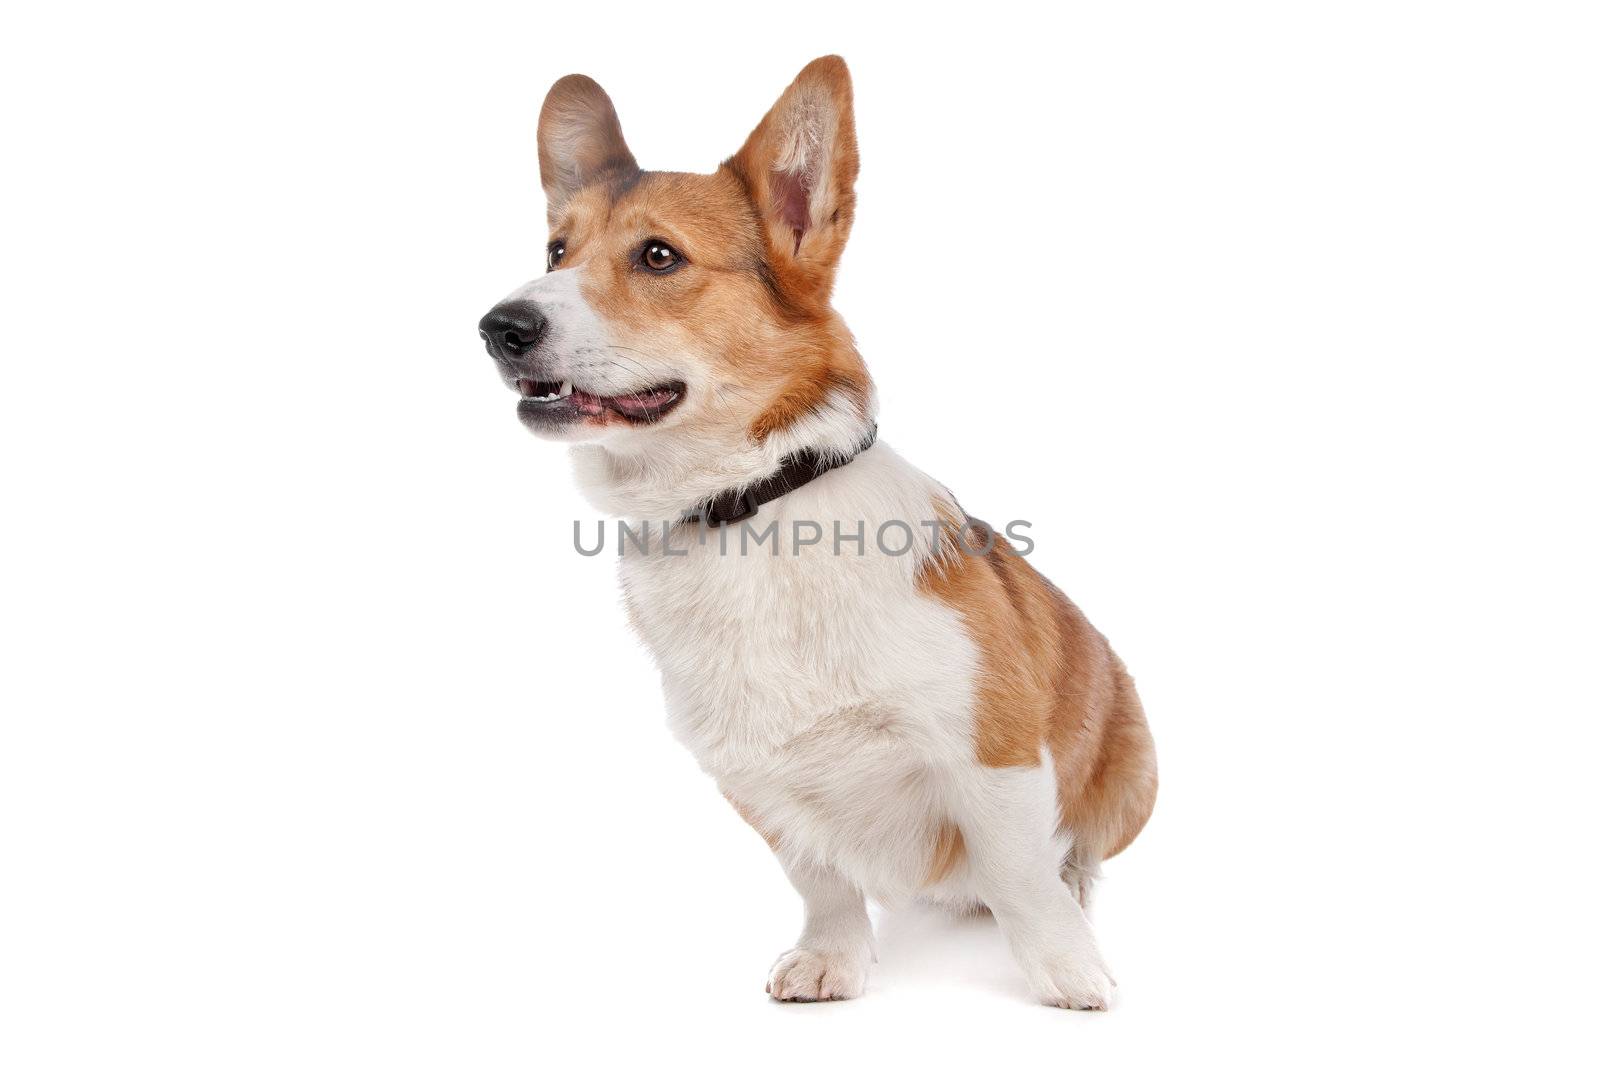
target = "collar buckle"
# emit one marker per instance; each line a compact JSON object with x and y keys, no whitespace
{"x":731,"y":507}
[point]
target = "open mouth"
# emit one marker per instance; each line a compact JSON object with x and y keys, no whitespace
{"x":542,"y":399}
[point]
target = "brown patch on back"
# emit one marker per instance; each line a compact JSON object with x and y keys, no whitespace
{"x":1009,"y":621}
{"x":1048,"y":678}
{"x":949,"y":852}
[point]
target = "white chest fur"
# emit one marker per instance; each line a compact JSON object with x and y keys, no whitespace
{"x":820,"y":688}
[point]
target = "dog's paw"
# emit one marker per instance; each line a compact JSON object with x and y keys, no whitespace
{"x":805,"y":976}
{"x":1078,"y":982}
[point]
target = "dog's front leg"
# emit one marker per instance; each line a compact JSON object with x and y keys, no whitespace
{"x":830,"y":960}
{"x":1010,"y":826}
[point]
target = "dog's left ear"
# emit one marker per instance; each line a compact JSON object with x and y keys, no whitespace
{"x":580,"y":140}
{"x":800,"y":167}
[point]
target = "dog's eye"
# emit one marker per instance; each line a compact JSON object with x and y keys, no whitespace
{"x":659,"y":256}
{"x":554,"y":254}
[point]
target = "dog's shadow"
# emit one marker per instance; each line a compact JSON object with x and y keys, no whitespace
{"x":922,"y":945}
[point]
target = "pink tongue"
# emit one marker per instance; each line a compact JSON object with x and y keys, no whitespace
{"x":640,"y":403}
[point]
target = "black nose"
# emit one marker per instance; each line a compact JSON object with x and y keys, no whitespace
{"x":512,"y":330}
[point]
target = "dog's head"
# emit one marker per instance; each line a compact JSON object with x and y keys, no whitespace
{"x":686,"y":305}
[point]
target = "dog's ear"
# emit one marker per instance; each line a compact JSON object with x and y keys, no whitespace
{"x":580,"y":140}
{"x":800,"y":168}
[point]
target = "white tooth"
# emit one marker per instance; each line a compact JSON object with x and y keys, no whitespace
{"x":566,"y":389}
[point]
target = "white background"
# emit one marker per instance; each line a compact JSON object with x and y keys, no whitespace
{"x":321,"y":745}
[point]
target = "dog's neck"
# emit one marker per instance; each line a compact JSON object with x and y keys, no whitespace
{"x":663,"y":484}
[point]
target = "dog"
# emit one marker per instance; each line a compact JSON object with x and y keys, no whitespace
{"x":907,"y":710}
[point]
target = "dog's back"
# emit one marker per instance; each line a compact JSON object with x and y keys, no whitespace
{"x":1050,"y":683}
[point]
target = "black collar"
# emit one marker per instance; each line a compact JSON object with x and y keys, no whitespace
{"x":797,"y":469}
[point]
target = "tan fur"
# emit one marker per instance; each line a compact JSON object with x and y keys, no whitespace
{"x":949,"y":853}
{"x":754,"y":299}
{"x":813,"y":121}
{"x":580,"y":139}
{"x":1049,"y":679}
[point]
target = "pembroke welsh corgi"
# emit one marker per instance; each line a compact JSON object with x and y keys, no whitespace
{"x":880,"y":685}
